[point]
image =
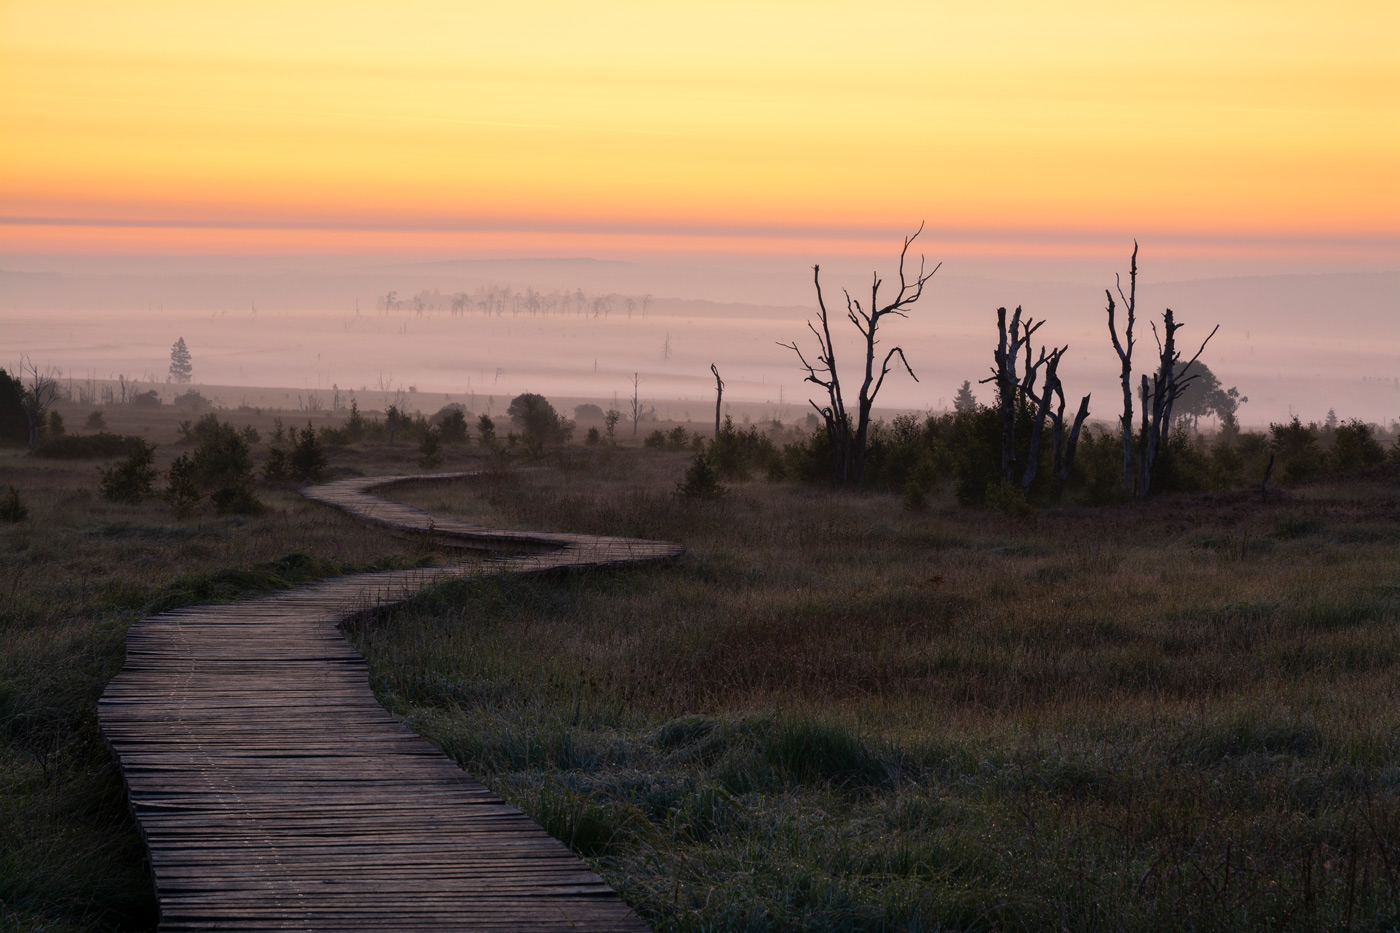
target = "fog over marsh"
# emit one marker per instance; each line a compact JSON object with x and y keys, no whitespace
{"x":1291,"y":343}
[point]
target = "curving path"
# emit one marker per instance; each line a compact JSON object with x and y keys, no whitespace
{"x":275,"y":793}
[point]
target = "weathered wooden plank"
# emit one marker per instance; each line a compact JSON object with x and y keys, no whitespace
{"x":274,"y":792}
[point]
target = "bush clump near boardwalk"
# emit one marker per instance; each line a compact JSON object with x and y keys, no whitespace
{"x":134,"y":478}
{"x":220,"y":468}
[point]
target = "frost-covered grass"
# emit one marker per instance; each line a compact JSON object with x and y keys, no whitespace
{"x":836,"y":714}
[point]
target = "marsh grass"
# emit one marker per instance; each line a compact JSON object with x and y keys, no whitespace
{"x":833,"y":714}
{"x":75,"y":573}
{"x":838,"y":714}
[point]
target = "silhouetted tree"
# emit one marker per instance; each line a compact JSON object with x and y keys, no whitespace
{"x":1168,"y":384}
{"x":719,"y":395}
{"x":636,"y":401}
{"x":430,"y":448}
{"x":181,"y":366}
{"x":134,"y":478}
{"x":39,"y":390}
{"x":965,"y":402}
{"x":1124,"y":349}
{"x":537,"y":419}
{"x":14,"y":423}
{"x":1011,"y":338}
{"x":849,"y":442}
{"x":1209,"y":397}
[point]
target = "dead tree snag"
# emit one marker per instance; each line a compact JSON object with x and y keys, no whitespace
{"x":848,"y":442}
{"x":1124,"y":348}
{"x":1010,"y":340}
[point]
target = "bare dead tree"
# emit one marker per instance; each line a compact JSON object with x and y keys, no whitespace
{"x":1010,"y":341}
{"x":1063,"y":447}
{"x":40,"y":391}
{"x":719,"y":395}
{"x":848,"y":443}
{"x":636,"y":401}
{"x":1168,"y":384}
{"x":1042,"y":409}
{"x":1124,"y":348}
{"x":1066,"y":447}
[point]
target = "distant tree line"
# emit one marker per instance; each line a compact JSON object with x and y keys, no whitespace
{"x":498,"y":301}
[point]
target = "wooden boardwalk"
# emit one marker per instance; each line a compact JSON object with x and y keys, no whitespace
{"x":275,"y":793}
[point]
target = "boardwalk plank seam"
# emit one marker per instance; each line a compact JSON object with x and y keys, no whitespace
{"x":275,"y":793}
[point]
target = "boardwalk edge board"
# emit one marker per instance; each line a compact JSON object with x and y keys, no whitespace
{"x":274,"y":792}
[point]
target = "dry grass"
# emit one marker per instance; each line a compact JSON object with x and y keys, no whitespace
{"x":832,"y":714}
{"x":837,"y":714}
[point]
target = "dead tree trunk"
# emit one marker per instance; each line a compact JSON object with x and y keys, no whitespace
{"x":1168,"y":384}
{"x":1065,"y":448}
{"x":1124,"y":349}
{"x":38,"y":392}
{"x":636,"y":401}
{"x":719,"y":395}
{"x":848,"y":446}
{"x":1042,"y":409}
{"x":1144,"y":393}
{"x":1010,"y":340}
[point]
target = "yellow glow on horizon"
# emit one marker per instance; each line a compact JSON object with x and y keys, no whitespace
{"x":1192,"y":118}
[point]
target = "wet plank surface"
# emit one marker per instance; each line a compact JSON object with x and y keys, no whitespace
{"x":275,"y":793}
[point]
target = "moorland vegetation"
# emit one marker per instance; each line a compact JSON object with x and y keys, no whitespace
{"x":894,"y":707}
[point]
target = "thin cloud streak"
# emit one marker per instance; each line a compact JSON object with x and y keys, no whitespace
{"x":350,"y":115}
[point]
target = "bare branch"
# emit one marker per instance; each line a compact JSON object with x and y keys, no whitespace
{"x":885,"y":369}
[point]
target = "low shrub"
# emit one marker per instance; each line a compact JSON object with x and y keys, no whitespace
{"x":1298,"y":450}
{"x":1355,"y":446}
{"x":701,"y":480}
{"x":182,"y":486}
{"x":306,"y":462}
{"x":11,"y":508}
{"x":134,"y":478}
{"x":86,"y":446}
{"x":430,"y":449}
{"x":221,"y":467}
{"x":736,"y":452}
{"x":451,"y":423}
{"x":192,"y":400}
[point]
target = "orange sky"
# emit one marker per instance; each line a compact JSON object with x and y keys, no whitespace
{"x":337,"y":127}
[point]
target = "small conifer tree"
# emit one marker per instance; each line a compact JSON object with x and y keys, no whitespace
{"x":701,"y":480}
{"x":134,"y":478}
{"x":965,"y":402}
{"x":181,"y":366}
{"x":430,"y":450}
{"x":487,"y":429}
